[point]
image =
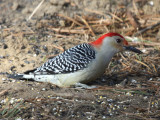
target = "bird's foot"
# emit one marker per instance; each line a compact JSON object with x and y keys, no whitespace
{"x":81,"y":85}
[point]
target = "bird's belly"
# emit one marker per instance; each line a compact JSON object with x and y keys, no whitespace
{"x":54,"y":79}
{"x":85,"y":75}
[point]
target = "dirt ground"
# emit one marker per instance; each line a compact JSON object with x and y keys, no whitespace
{"x":130,"y":88}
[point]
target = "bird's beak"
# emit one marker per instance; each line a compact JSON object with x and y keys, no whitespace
{"x":133,"y":49}
{"x":130,"y":48}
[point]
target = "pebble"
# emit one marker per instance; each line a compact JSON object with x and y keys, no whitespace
{"x":2,"y":56}
{"x":13,"y":81}
{"x":19,"y":119}
{"x":43,"y":89}
{"x":109,"y":100}
{"x":3,"y":78}
{"x":35,"y":55}
{"x":12,"y":100}
{"x":144,"y":50}
{"x":103,"y":80}
{"x":5,"y":46}
{"x":129,"y":94}
{"x":3,"y":101}
{"x":133,"y":81}
{"x":104,"y":117}
{"x":27,"y":62}
{"x":151,"y":3}
{"x":15,"y":6}
{"x":45,"y":48}
{"x":12,"y":68}
{"x":146,"y":97}
{"x":23,"y":47}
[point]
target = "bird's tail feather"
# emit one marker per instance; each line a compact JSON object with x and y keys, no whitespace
{"x":21,"y":76}
{"x":40,"y":78}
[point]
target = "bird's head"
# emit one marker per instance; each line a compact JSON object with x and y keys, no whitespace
{"x":115,"y":42}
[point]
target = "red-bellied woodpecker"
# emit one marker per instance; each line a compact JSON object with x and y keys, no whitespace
{"x":80,"y":64}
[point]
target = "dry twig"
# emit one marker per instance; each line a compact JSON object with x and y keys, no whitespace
{"x":70,"y":19}
{"x":35,"y":10}
{"x":147,"y":28}
{"x":85,"y":22}
{"x":69,"y":31}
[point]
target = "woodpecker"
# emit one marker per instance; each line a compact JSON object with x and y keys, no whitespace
{"x":80,"y":64}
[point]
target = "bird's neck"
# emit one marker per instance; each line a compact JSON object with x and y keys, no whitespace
{"x":105,"y":53}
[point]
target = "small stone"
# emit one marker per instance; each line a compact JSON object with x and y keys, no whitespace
{"x":123,"y":83}
{"x":133,"y":81}
{"x":3,"y":101}
{"x":13,"y":81}
{"x":110,"y":100}
{"x":45,"y":48}
{"x":144,"y":50}
{"x":19,"y":119}
{"x":12,"y":100}
{"x":139,"y":86}
{"x":5,"y":46}
{"x":22,"y":65}
{"x":2,"y":56}
{"x":151,"y":3}
{"x":15,"y":6}
{"x":35,"y":55}
{"x":145,"y":98}
{"x":12,"y":68}
{"x":62,"y":23}
{"x":27,"y":62}
{"x":23,"y":47}
{"x":129,"y":94}
{"x":103,"y":80}
{"x":26,"y":10}
{"x":104,"y":117}
{"x":3,"y":78}
{"x":43,"y":89}
{"x":32,"y":61}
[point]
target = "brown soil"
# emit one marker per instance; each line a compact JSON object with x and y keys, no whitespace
{"x":128,"y":90}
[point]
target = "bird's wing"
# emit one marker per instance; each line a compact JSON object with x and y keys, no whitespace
{"x":74,"y":59}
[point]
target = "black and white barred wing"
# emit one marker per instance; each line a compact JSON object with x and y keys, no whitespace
{"x":74,"y":59}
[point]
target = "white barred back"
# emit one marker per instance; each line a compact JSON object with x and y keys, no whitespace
{"x":73,"y":59}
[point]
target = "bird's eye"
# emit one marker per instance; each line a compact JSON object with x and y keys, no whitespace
{"x":118,"y":40}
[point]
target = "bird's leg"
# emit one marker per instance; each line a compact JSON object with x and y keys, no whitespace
{"x":81,"y":85}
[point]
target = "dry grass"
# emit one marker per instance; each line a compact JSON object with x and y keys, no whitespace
{"x":142,"y":29}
